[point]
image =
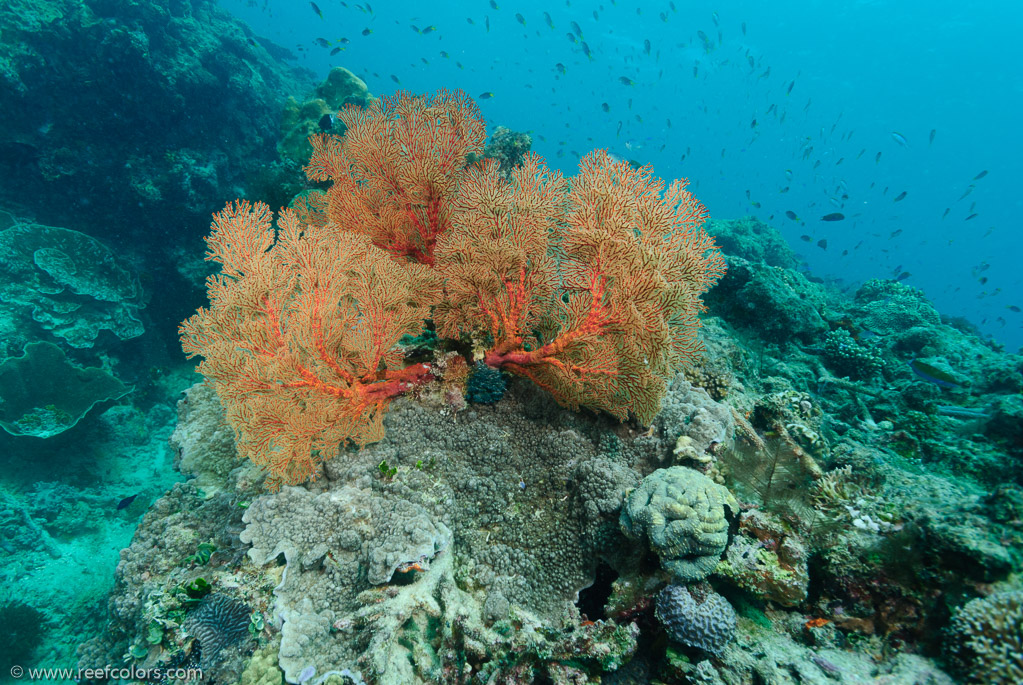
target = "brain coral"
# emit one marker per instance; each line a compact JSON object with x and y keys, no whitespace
{"x":704,"y":620}
{"x":681,"y":512}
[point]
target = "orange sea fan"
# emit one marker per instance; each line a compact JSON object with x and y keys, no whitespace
{"x":300,"y":338}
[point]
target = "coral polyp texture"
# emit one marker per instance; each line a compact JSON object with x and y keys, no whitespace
{"x":701,"y":619}
{"x":986,"y":638}
{"x":681,"y":512}
{"x":591,"y":288}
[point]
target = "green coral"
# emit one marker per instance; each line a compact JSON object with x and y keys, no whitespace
{"x":849,"y":357}
{"x":681,"y":513}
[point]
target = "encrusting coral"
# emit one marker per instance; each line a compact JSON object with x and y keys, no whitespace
{"x":590,"y":288}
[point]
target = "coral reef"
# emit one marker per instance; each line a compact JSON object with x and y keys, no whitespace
{"x":201,"y":115}
{"x":592,"y":291}
{"x":847,"y":524}
{"x":767,"y":560}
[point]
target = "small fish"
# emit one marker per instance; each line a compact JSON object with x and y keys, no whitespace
{"x":126,"y":502}
{"x":560,"y":67}
{"x":805,"y":238}
{"x":493,"y":4}
{"x":947,"y":210}
{"x":367,"y":31}
{"x":486,"y":96}
{"x":428,"y":30}
{"x":519,"y":18}
{"x":789,"y":89}
{"x":930,"y":140}
{"x":1013,"y":308}
{"x":980,"y":175}
{"x":486,"y":22}
{"x":902,"y":276}
{"x":791,"y":215}
{"x":901,"y":196}
{"x":895,"y":234}
{"x":322,"y":42}
{"x":606,"y":107}
{"x":972,"y":216}
{"x":571,"y":37}
{"x":834,"y":216}
{"x":319,"y":14}
{"x":822,"y":243}
{"x":714,"y":18}
{"x":625,"y":80}
{"x":335,"y":51}
{"x":900,"y":139}
{"x":934,"y":374}
{"x":586,"y":49}
{"x":578,"y":30}
{"x":753,"y":124}
{"x":877,"y":158}
{"x":646,"y":46}
{"x":395,"y":79}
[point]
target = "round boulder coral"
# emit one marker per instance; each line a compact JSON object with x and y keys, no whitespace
{"x":704,"y":620}
{"x":681,"y":514}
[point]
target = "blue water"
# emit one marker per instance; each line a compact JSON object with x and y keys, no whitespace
{"x":860,"y":73}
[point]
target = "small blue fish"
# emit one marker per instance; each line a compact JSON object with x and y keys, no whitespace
{"x":900,"y":139}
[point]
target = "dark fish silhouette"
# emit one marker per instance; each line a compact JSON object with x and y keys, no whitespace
{"x":126,"y":502}
{"x":834,"y":216}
